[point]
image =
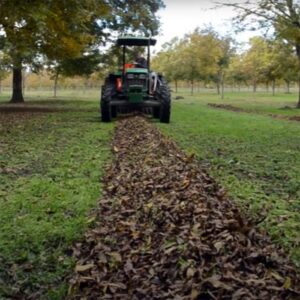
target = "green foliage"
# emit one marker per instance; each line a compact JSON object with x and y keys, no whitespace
{"x":201,"y":55}
{"x":82,"y":66}
{"x":254,"y":155}
{"x":168,"y":61}
{"x":236,"y":73}
{"x":51,"y":165}
{"x":62,"y":32}
{"x":283,"y":16}
{"x":128,"y":16}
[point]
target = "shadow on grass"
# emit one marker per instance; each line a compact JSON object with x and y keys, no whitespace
{"x":41,"y":108}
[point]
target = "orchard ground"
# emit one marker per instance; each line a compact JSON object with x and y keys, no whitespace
{"x":53,"y":155}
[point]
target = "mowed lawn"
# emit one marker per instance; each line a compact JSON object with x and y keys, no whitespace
{"x":52,"y":162}
{"x":255,"y":156}
{"x":52,"y":158}
{"x":280,"y":104}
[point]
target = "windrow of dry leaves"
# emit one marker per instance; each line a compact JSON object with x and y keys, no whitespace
{"x":165,"y":230}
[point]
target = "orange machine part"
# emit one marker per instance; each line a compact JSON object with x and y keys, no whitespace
{"x":119,"y":80}
{"x":128,"y":66}
{"x":119,"y":84}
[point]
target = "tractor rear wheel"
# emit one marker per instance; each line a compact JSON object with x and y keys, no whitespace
{"x":164,"y":96}
{"x":108,"y":91}
{"x":156,"y":112}
{"x":114,"y":112}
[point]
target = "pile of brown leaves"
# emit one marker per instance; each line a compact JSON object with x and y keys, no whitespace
{"x":165,"y":230}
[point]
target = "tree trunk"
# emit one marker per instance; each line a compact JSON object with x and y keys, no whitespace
{"x":273,"y":87}
{"x":287,"y":87}
{"x":24,"y":82}
{"x":267,"y":87}
{"x":222,"y":85}
{"x":0,"y":86}
{"x":55,"y":85}
{"x":298,"y":104}
{"x":192,"y":87}
{"x":85,"y":85}
{"x":17,"y":95}
{"x":218,"y":88}
{"x":254,"y":86}
{"x":176,"y":87}
{"x":298,"y":55}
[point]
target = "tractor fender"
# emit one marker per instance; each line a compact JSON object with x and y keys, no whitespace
{"x":154,"y":81}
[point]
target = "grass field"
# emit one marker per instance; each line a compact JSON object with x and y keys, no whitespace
{"x":51,"y":163}
{"x":259,"y":103}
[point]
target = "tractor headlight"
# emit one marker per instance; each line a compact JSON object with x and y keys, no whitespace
{"x":142,"y":76}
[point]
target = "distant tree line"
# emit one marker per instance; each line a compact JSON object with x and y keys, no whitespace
{"x":204,"y":56}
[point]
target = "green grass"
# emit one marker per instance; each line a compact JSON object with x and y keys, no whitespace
{"x":51,"y":165}
{"x":263,"y":103}
{"x":256,"y":157}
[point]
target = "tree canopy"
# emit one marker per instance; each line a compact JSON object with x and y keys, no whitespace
{"x":200,"y":56}
{"x":282,"y":15}
{"x":65,"y":30}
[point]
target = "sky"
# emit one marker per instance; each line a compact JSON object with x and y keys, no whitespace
{"x":183,"y":16}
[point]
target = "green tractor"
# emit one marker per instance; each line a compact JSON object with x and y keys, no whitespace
{"x":135,"y":87}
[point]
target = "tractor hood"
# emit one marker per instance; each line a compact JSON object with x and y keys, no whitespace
{"x":137,"y":71}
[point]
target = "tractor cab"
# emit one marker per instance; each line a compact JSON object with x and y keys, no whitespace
{"x":134,"y":80}
{"x":134,"y":86}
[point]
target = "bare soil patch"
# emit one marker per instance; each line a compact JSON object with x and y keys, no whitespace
{"x":238,"y":109}
{"x":294,"y":118}
{"x":228,"y":107}
{"x":165,"y":230}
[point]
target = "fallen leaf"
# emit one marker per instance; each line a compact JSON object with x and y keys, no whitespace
{"x":287,"y":283}
{"x":83,"y":268}
{"x":194,"y":294}
{"x":219,"y":246}
{"x":116,"y":256}
{"x":190,"y":272}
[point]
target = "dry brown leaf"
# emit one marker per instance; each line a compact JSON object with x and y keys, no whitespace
{"x":116,"y":149}
{"x":217,"y":283}
{"x":83,"y":268}
{"x":190,"y":272}
{"x":116,"y":256}
{"x":194,"y":294}
{"x":162,"y":227}
{"x":287,"y":283}
{"x":219,"y":245}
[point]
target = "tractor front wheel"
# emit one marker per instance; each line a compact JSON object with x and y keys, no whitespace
{"x":164,"y":97}
{"x":107,"y":111}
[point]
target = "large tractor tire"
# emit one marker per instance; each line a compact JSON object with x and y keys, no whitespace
{"x":164,"y":96}
{"x":114,"y":112}
{"x":107,"y":111}
{"x":156,"y":112}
